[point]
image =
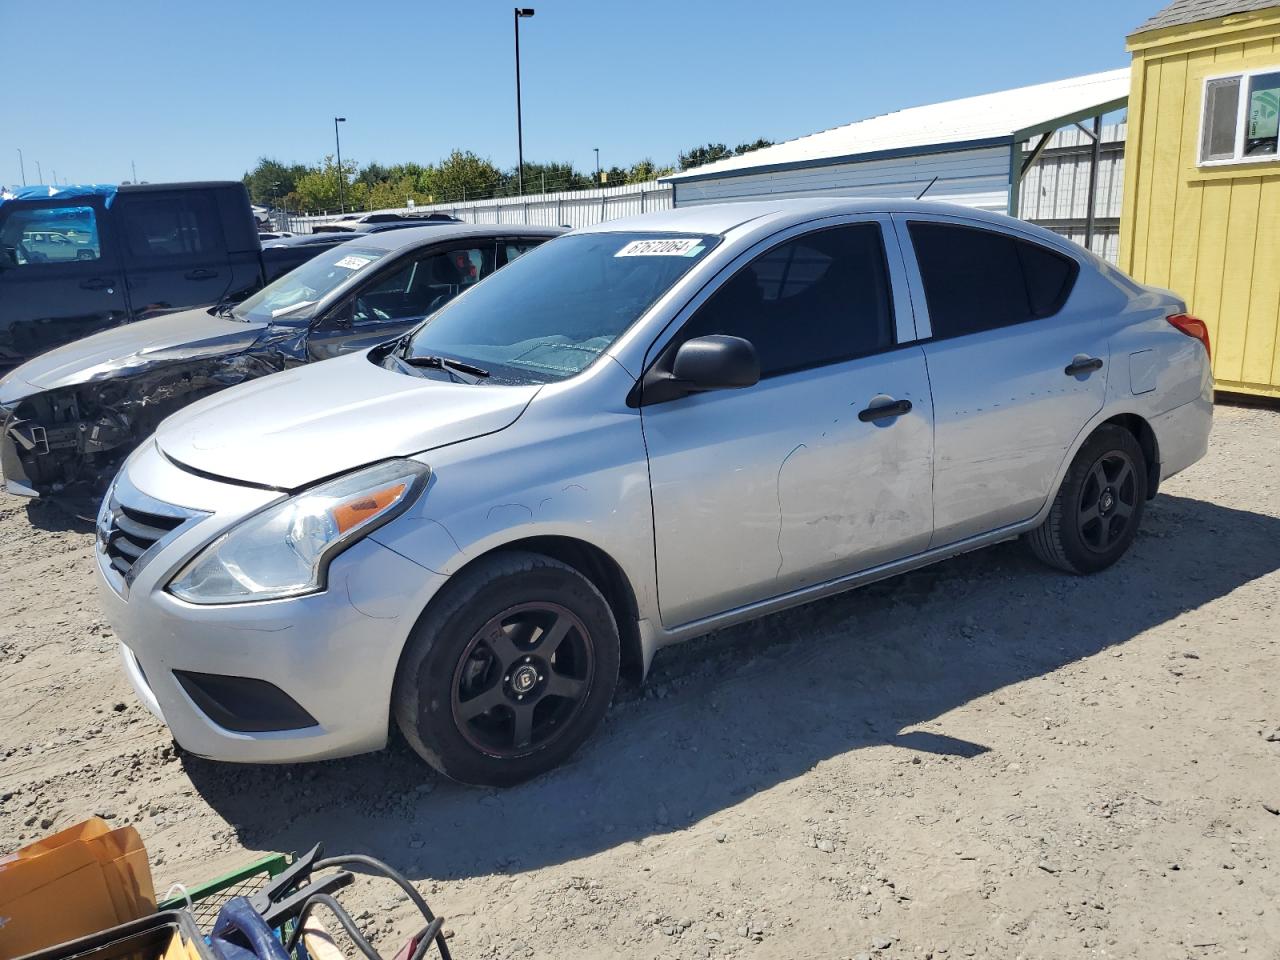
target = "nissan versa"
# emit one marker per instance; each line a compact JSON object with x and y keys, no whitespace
{"x":634,"y":434}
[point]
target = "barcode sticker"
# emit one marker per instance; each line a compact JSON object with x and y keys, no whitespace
{"x":354,"y":263}
{"x":664,"y":247}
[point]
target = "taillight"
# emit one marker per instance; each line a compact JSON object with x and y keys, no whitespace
{"x":1192,"y":327}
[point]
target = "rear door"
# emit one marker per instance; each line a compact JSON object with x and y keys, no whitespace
{"x":1016,"y":368}
{"x":396,"y":299}
{"x":175,"y":251}
{"x":60,"y":276}
{"x":799,"y":479}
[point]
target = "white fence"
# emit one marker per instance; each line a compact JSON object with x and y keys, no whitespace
{"x":575,"y":208}
{"x":1053,"y":193}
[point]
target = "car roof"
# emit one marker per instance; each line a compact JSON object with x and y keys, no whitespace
{"x":393,"y":240}
{"x":311,"y":239}
{"x":721,"y":218}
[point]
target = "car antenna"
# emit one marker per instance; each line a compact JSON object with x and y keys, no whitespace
{"x":926,"y":189}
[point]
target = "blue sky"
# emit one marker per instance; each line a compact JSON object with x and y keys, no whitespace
{"x":193,"y":90}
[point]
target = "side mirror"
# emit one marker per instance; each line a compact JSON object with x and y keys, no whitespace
{"x":340,"y":317}
{"x":715,"y":362}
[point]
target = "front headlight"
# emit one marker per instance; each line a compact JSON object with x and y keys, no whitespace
{"x":285,"y":550}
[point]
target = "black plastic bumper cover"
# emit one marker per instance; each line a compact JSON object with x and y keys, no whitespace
{"x":244,"y":704}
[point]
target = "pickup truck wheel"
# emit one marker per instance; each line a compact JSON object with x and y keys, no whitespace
{"x":509,"y":671}
{"x":1099,"y":506}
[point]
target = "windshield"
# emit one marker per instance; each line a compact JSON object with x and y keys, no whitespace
{"x":549,"y":314}
{"x":295,"y":295}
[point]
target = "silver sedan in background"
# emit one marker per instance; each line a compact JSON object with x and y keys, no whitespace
{"x":635,"y":434}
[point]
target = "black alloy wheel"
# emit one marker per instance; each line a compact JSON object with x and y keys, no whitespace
{"x":522,"y":679}
{"x":1108,"y":499}
{"x":509,"y":669}
{"x":1098,"y":507}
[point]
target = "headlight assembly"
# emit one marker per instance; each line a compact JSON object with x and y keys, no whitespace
{"x":285,"y":550}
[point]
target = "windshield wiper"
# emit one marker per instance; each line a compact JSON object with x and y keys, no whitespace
{"x":447,"y":364}
{"x":225,"y":308}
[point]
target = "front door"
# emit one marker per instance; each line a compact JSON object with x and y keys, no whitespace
{"x":60,"y":276}
{"x":1017,"y":369}
{"x":799,"y":479}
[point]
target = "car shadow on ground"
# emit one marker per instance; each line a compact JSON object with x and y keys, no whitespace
{"x":747,"y":708}
{"x":62,"y":516}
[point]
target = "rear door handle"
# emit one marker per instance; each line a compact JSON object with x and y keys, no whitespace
{"x":883,"y":411}
{"x":1082,"y":365}
{"x":97,"y":283}
{"x":200,"y":274}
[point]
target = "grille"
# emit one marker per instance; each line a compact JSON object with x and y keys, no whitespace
{"x":131,"y":532}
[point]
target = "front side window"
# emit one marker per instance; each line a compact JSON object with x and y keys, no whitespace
{"x":1241,"y":117}
{"x":163,"y":227}
{"x":423,"y":286}
{"x":296,"y":294}
{"x":821,"y":298}
{"x":977,"y":280}
{"x":552,"y":312}
{"x":49,"y":234}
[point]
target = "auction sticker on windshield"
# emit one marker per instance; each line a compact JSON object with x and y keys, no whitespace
{"x":354,"y":263}
{"x":664,"y":247}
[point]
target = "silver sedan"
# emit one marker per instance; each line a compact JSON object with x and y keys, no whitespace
{"x":635,"y":434}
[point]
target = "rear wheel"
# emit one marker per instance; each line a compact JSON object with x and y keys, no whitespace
{"x":511,"y":668}
{"x":1099,"y":506}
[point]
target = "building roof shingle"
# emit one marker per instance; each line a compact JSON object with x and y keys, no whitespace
{"x":1193,"y":11}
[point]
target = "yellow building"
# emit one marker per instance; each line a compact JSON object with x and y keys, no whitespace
{"x":1201,"y":209}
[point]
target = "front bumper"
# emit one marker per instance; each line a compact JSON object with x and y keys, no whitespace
{"x":333,"y":653}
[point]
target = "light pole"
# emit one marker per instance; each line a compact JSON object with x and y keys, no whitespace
{"x":342,"y":208}
{"x":22,"y":165}
{"x":520,"y":12}
{"x":39,"y":172}
{"x":597,"y":150}
{"x":55,"y":177}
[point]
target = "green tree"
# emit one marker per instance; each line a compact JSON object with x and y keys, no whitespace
{"x":554,"y":177}
{"x":645,"y":170}
{"x":707,"y":153}
{"x":271,"y":179}
{"x":742,"y":148}
{"x":463,"y":175}
{"x":317,"y":190}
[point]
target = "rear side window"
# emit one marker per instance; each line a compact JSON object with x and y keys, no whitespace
{"x":513,"y":249}
{"x":53,"y":234}
{"x":820,"y":298}
{"x":162,"y":226}
{"x":977,"y":280}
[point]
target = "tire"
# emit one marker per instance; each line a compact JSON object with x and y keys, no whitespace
{"x":510,"y":669}
{"x":1087,"y":531}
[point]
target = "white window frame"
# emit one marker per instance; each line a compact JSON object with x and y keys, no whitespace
{"x":1242,"y":109}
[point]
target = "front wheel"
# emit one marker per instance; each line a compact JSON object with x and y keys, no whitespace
{"x":509,"y":671}
{"x":1099,"y":506}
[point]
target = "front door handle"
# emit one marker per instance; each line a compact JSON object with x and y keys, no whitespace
{"x":1082,"y":365}
{"x":200,"y":274}
{"x":883,"y":411}
{"x":97,"y":283}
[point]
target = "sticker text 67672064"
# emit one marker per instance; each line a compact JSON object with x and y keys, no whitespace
{"x":662,"y":247}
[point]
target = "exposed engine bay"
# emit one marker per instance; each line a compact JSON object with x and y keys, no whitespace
{"x":69,"y":442}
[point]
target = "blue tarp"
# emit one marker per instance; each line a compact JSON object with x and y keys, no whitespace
{"x":70,"y":191}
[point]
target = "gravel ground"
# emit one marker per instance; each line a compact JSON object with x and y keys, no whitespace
{"x":984,"y":758}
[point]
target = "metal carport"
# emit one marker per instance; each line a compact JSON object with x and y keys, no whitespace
{"x":972,"y":151}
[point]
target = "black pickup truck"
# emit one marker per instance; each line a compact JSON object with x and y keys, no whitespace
{"x":78,"y":259}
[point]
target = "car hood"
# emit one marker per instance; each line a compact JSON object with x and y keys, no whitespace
{"x":295,"y":427}
{"x":131,"y":348}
